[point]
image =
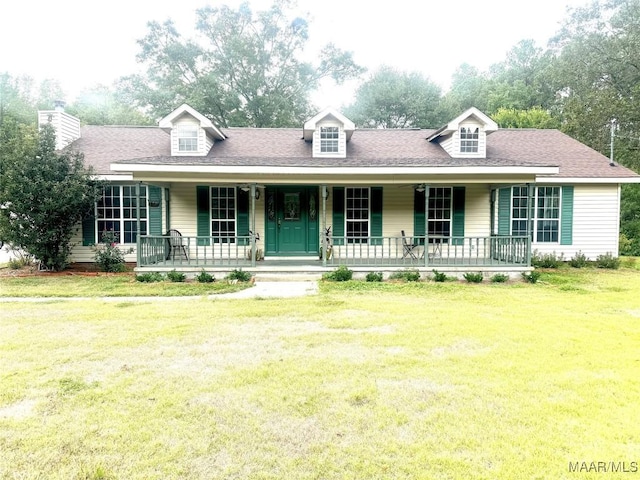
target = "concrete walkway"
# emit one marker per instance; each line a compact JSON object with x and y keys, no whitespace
{"x":258,"y":290}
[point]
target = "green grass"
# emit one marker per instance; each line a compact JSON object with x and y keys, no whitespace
{"x":365,"y":380}
{"x":105,"y":285}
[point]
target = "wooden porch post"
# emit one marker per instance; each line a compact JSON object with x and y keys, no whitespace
{"x":426,"y":225}
{"x":530,"y":207}
{"x":253,"y":224}
{"x":138,"y":253}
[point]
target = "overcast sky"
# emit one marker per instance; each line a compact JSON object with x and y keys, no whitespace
{"x":84,"y":43}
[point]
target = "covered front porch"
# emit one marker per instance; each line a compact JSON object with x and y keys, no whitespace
{"x":194,"y":253}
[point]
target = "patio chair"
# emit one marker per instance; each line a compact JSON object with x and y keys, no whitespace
{"x":175,"y":243}
{"x":408,"y":248}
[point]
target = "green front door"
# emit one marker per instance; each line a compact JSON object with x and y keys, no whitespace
{"x":292,"y":220}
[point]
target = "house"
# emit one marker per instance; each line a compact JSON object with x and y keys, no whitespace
{"x":468,"y":196}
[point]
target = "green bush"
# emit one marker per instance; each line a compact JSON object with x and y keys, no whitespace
{"x":607,"y":261}
{"x":531,"y":277}
{"x":546,"y":260}
{"x":204,"y":277}
{"x":21,"y":261}
{"x":473,"y":277}
{"x":579,"y":260}
{"x":439,"y":276}
{"x":499,"y":278}
{"x":406,"y":276}
{"x":150,"y":277}
{"x":374,"y":277}
{"x":239,"y":275}
{"x":340,"y":274}
{"x":108,"y":256}
{"x":176,"y":277}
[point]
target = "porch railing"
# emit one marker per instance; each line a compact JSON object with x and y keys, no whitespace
{"x":431,"y":251}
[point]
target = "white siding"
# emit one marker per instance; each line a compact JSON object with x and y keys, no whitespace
{"x":67,"y":126}
{"x":204,"y":141}
{"x":596,"y":213}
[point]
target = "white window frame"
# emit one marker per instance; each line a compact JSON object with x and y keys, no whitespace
{"x":469,"y":140}
{"x":329,"y":139}
{"x":116,"y":211}
{"x":223,"y":211}
{"x":357,"y":210}
{"x":545,"y":213}
{"x":439,"y":213}
{"x":187,"y":138}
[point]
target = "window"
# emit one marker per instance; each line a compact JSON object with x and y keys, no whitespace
{"x":439,"y":214}
{"x":223,"y":214}
{"x":468,"y":140}
{"x":544,"y":213}
{"x":329,"y":139}
{"x":357,"y":213}
{"x":187,"y":138}
{"x":117,"y":212}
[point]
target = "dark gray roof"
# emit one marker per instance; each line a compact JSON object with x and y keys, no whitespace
{"x":272,"y":147}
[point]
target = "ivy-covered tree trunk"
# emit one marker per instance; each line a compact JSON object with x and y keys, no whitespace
{"x":44,"y":195}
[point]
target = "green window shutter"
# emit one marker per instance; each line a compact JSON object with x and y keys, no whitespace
{"x":89,"y":230}
{"x":419,"y":217}
{"x":203,"y":205}
{"x":155,"y":212}
{"x":242,"y":215}
{"x":376,"y":215}
{"x":457,"y":215}
{"x":504,"y":211}
{"x":338,"y":215}
{"x":566,"y":222}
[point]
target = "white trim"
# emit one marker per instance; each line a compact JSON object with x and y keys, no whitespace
{"x":596,"y":180}
{"x":262,"y":170}
{"x":116,"y":178}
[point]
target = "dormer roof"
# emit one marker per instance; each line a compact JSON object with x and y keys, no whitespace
{"x":310,"y":126}
{"x":453,"y":126}
{"x":167,"y":122}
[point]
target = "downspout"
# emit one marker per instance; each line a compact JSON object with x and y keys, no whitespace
{"x":323,"y":237}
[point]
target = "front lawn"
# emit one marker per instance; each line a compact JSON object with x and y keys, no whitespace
{"x":383,"y":381}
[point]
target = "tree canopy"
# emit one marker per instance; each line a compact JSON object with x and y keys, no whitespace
{"x":246,"y":71}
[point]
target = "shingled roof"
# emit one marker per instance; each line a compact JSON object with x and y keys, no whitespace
{"x":276,"y":147}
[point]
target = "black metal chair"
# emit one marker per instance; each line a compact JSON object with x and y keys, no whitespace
{"x":408,"y":248}
{"x":175,"y":243}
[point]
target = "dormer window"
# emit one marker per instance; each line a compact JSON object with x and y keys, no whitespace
{"x":187,"y":138}
{"x":468,"y":140}
{"x":329,"y":139}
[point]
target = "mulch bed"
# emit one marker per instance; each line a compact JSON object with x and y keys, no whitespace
{"x":78,"y":268}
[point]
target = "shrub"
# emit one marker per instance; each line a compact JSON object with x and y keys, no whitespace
{"x":473,"y":277}
{"x":340,"y":274}
{"x":439,"y":276}
{"x":176,"y":277}
{"x":579,"y":260}
{"x":204,"y":277}
{"x":150,"y":277}
{"x":499,"y":278}
{"x":108,"y":256}
{"x":22,"y":260}
{"x":608,"y":261}
{"x":406,"y":275}
{"x":546,"y":260}
{"x":374,"y":277}
{"x":239,"y":275}
{"x":531,"y":277}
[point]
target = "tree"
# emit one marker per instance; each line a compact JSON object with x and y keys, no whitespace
{"x":44,"y":194}
{"x":532,"y":118}
{"x":393,"y":99}
{"x":247,"y":72}
{"x":100,"y":105}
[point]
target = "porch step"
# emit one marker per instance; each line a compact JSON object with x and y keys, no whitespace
{"x":287,"y":277}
